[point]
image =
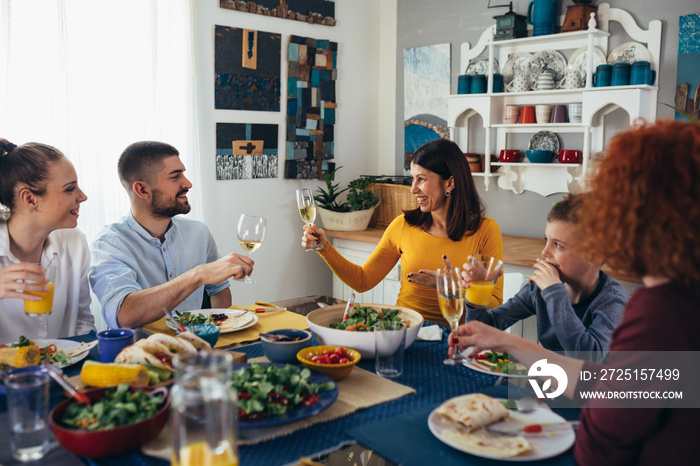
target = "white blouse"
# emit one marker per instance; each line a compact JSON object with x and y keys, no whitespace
{"x":71,"y":301}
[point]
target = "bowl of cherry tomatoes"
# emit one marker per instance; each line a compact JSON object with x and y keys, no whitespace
{"x":336,"y":362}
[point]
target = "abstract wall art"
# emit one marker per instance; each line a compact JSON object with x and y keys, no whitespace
{"x":247,"y":69}
{"x":311,"y":107}
{"x":426,"y":72}
{"x":309,"y":11}
{"x":688,"y":66}
{"x":246,"y":151}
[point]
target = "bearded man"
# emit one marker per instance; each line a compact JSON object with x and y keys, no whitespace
{"x":153,"y":258}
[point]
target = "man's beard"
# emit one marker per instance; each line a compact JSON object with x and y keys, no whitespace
{"x":161,"y":208}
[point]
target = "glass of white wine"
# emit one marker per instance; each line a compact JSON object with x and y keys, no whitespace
{"x":251,"y":234}
{"x":451,"y":301}
{"x":307,"y":210}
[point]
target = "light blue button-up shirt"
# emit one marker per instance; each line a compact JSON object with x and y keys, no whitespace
{"x":126,"y":258}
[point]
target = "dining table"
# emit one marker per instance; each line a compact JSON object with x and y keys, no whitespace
{"x":394,"y":432}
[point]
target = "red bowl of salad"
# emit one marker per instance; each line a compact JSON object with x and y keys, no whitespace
{"x":124,"y":431}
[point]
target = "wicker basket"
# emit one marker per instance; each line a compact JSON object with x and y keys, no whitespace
{"x":395,"y":198}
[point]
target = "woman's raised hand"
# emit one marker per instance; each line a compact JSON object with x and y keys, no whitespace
{"x":314,"y":237}
{"x":427,"y":277}
{"x":12,"y":281}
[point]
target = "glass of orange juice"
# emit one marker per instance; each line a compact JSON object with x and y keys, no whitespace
{"x":42,"y":309}
{"x":203,"y":413}
{"x":484,"y":274}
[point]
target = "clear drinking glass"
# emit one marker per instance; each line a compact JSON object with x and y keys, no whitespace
{"x":41,"y":309}
{"x":203,"y":411}
{"x":307,"y":210}
{"x":484,"y":273}
{"x":451,"y":301}
{"x":28,"y":406}
{"x":251,"y":234}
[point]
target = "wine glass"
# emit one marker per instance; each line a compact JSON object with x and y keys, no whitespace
{"x":451,"y":301}
{"x":307,"y":210}
{"x":41,"y":309}
{"x":251,"y":234}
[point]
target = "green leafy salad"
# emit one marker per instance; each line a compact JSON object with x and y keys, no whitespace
{"x":364,"y":318}
{"x":117,"y":408}
{"x":268,"y":390}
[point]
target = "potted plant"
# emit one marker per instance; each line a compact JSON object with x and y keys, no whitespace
{"x":352,"y":214}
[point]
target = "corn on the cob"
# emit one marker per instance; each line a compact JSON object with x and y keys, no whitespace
{"x":112,"y":374}
{"x":20,"y":357}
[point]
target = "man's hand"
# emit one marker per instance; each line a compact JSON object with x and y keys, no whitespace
{"x":232,"y":266}
{"x":545,"y":275}
{"x":12,"y":281}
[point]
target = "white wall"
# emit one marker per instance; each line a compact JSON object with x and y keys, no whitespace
{"x":282,"y":269}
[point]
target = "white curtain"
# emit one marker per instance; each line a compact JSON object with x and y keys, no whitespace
{"x":92,"y":76}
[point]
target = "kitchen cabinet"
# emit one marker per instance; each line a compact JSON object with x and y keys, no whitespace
{"x":638,"y":101}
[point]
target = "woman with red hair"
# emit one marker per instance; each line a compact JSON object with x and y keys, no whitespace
{"x":643,"y":215}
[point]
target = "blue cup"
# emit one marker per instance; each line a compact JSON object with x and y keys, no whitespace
{"x":641,"y":73}
{"x":497,"y":82}
{"x":544,"y":16}
{"x":620,"y":74}
{"x":603,"y":75}
{"x":478,"y":85}
{"x":111,"y":342}
{"x":463,"y":84}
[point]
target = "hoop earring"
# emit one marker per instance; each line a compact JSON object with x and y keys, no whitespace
{"x":447,"y":193}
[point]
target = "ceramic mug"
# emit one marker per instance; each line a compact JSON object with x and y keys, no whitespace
{"x":478,"y":85}
{"x":575,"y":112}
{"x":603,"y":75}
{"x":518,"y":84}
{"x":511,"y":114}
{"x":641,"y":73}
{"x":464,"y":84}
{"x":510,"y":156}
{"x":527,"y":114}
{"x":572,"y":80}
{"x":570,"y":156}
{"x":559,"y":114}
{"x":620,"y":74}
{"x":543,"y":113}
{"x":545,"y":81}
{"x":497,"y":82}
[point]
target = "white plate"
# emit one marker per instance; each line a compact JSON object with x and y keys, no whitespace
{"x":517,"y":63}
{"x":229,"y":312}
{"x":543,"y":445}
{"x":544,"y":140}
{"x":475,"y":366}
{"x":61,"y":345}
{"x":549,"y":60}
{"x":629,"y":52}
{"x":480,"y":65}
{"x":579,"y":60}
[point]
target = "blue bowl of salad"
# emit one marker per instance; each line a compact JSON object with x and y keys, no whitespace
{"x":207,"y":332}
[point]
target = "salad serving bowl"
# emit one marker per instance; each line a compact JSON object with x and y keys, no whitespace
{"x":320,"y":319}
{"x":98,"y":443}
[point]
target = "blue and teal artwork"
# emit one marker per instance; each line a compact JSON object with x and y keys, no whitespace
{"x":311,"y":107}
{"x":247,"y":69}
{"x":426,"y":87}
{"x":688,"y":67}
{"x":247,"y":137}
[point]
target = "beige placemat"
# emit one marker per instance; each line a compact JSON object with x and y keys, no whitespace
{"x":266,"y":323}
{"x":361,"y":389}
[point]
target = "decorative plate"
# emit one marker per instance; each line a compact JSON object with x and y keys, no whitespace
{"x":517,"y":63}
{"x":544,"y":140}
{"x":480,"y":64}
{"x":629,"y":52}
{"x":546,"y":60}
{"x":579,"y":60}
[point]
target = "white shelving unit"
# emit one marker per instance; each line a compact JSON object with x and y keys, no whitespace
{"x":545,"y":179}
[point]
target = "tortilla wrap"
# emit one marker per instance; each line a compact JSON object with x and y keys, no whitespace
{"x":473,"y":411}
{"x":136,"y":355}
{"x":194,"y":340}
{"x":483,"y":441}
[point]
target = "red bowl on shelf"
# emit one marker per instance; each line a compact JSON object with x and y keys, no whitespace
{"x":97,"y":443}
{"x":570,"y":156}
{"x":510,"y":156}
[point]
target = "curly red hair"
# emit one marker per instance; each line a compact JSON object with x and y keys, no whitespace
{"x":643,"y":212}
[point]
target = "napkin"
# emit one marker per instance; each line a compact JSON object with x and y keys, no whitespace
{"x":430,"y":333}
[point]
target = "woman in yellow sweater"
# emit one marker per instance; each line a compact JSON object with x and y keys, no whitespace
{"x":449,"y":224}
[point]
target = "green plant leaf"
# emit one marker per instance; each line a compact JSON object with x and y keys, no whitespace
{"x":690,"y":118}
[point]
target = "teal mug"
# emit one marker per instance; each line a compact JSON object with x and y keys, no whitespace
{"x":641,"y":73}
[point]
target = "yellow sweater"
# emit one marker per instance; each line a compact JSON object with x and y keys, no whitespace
{"x":417,"y":250}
